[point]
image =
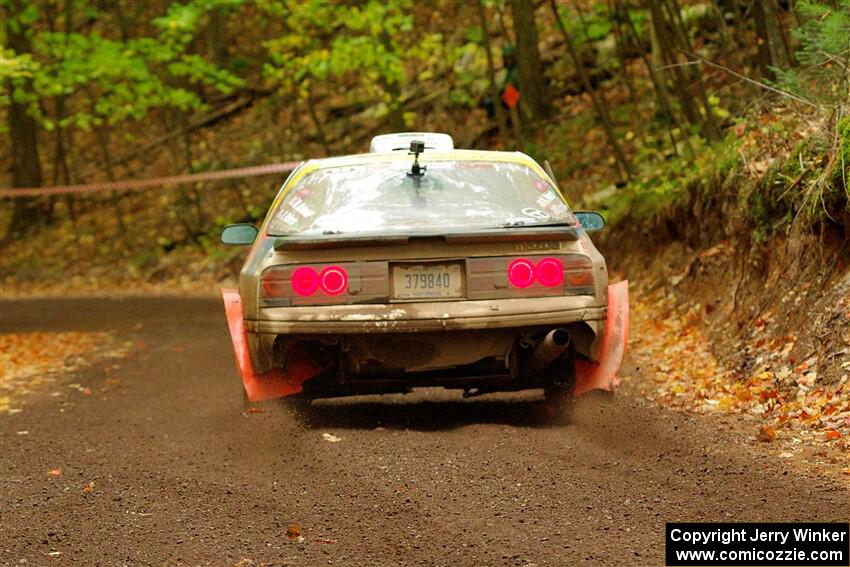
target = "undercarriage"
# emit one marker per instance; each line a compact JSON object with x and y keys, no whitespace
{"x":476,"y":361}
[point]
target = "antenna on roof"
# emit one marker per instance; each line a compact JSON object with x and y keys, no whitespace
{"x":416,"y":148}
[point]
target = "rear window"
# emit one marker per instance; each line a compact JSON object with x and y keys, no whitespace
{"x":452,"y":196}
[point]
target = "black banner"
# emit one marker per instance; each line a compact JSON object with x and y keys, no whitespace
{"x":762,"y":545}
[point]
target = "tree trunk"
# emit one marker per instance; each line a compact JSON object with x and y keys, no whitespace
{"x":183,"y":121}
{"x":709,"y":121}
{"x":217,"y":36}
{"x":60,"y":162}
{"x":599,"y":104}
{"x":491,"y":72}
{"x":317,"y":123}
{"x":662,"y":54}
{"x":23,"y":130}
{"x":661,"y":94}
{"x":532,"y":86}
{"x":622,"y":52}
{"x":672,"y":43}
{"x":60,"y":166}
{"x":103,"y":141}
{"x":772,"y":51}
{"x":172,"y":123}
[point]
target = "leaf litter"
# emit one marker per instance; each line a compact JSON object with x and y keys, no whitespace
{"x":678,"y":370}
{"x":32,"y":362}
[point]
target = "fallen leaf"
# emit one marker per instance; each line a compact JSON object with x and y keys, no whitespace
{"x":766,"y":434}
{"x":331,"y":438}
{"x":55,"y":473}
{"x":293,"y":531}
{"x":832,"y":435}
{"x":88,"y":488}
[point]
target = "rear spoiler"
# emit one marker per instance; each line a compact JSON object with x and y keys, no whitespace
{"x":499,"y":235}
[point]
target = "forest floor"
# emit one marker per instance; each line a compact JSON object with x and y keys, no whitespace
{"x":150,"y":459}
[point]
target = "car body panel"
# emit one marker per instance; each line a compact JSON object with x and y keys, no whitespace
{"x":437,"y":332}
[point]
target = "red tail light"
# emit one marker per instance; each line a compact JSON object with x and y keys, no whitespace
{"x":530,"y":276}
{"x":521,"y":272}
{"x":305,"y":281}
{"x":550,"y":272}
{"x":334,"y":280}
{"x":328,"y":284}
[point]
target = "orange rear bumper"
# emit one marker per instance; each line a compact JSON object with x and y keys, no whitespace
{"x":267,"y":385}
{"x":602,"y":375}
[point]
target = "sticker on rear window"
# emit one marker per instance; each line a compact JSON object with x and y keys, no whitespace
{"x":286,"y":216}
{"x":545,"y":199}
{"x":531,"y":212}
{"x":541,"y":186}
{"x":558,"y":208}
{"x":299,"y":206}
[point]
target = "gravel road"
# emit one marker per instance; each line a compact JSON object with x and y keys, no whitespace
{"x":182,"y":477}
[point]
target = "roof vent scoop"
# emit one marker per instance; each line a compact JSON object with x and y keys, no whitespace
{"x":401,"y":142}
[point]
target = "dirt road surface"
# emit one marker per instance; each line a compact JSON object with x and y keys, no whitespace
{"x":182,"y":477}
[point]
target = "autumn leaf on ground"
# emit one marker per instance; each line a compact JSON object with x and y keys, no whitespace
{"x":88,"y":488}
{"x":33,"y":361}
{"x":293,"y":532}
{"x":55,"y":473}
{"x":832,"y":435}
{"x":766,"y":434}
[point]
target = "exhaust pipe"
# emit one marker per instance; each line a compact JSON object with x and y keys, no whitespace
{"x":550,"y":348}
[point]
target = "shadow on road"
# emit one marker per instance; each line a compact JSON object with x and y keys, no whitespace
{"x":440,"y":412}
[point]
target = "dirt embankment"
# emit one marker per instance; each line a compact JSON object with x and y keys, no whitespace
{"x":774,"y":311}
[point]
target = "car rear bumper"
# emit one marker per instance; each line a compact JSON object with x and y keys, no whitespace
{"x":271,"y":382}
{"x":427,"y":316}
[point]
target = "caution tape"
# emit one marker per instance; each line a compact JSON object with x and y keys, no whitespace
{"x":137,"y":184}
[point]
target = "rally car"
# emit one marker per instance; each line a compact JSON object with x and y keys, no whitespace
{"x":420,"y":265}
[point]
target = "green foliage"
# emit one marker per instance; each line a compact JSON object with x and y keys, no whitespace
{"x":662,"y":183}
{"x":842,"y":159}
{"x":823,"y":53}
{"x":369,"y":44}
{"x":108,"y":81}
{"x":822,"y":77}
{"x":587,"y":27}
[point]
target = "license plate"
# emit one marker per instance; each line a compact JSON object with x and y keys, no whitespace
{"x":427,"y":281}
